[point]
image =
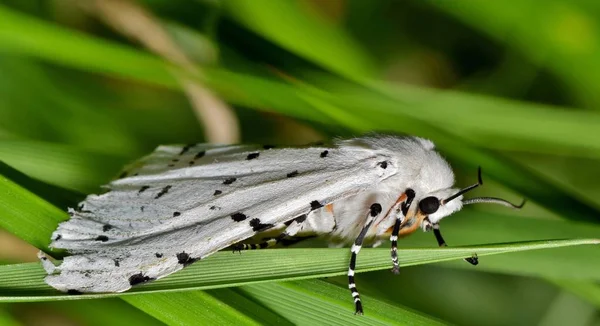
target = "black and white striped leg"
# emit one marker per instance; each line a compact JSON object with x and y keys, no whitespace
{"x":473,"y":260}
{"x":374,"y":211}
{"x":410,"y":195}
{"x":265,"y":244}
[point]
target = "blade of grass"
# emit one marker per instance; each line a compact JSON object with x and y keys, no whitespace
{"x":289,"y":25}
{"x":586,"y":290}
{"x":245,"y":304}
{"x":25,"y":214}
{"x":562,"y":37}
{"x":24,"y":282}
{"x":312,"y":302}
{"x":94,"y":312}
{"x":19,"y":32}
{"x":188,"y":308}
{"x":57,"y":196}
{"x":62,"y":165}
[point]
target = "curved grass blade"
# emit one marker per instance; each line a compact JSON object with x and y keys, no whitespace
{"x":189,"y":308}
{"x":311,"y":302}
{"x":24,"y":282}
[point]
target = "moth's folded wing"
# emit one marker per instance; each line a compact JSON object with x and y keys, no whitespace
{"x":148,"y":222}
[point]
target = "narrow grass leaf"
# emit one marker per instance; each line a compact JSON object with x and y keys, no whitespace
{"x":289,"y":25}
{"x":315,"y":302}
{"x":25,"y":214}
{"x":189,"y":308}
{"x":24,"y":282}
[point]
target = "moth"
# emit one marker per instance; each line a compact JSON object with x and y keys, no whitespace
{"x":180,"y":204}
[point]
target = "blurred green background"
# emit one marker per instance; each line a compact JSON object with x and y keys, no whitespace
{"x":514,"y":87}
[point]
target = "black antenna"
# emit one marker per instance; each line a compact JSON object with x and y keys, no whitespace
{"x":469,"y":188}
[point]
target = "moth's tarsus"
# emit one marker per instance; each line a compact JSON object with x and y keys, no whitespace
{"x":473,"y":260}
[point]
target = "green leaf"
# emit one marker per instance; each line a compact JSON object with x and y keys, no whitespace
{"x":561,"y":37}
{"x":189,"y":308}
{"x":21,"y":33}
{"x":63,"y":165}
{"x":291,"y":26}
{"x":586,"y":290}
{"x":311,"y":302}
{"x":25,"y":214}
{"x":24,"y":282}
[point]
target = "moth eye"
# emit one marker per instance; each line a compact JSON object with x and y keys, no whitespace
{"x":429,"y":205}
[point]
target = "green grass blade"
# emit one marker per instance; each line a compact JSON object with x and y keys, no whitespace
{"x":25,"y":214}
{"x":291,"y":26}
{"x":313,"y":302}
{"x":94,"y":313}
{"x":57,"y":196}
{"x":189,"y":308}
{"x":24,"y":282}
{"x":586,"y":290}
{"x":244,"y":303}
{"x":21,"y":33}
{"x":63,"y":165}
{"x":561,"y":37}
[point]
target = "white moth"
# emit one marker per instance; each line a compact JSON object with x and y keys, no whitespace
{"x":180,"y":204}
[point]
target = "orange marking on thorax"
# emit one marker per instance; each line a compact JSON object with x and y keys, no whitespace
{"x":329,"y":208}
{"x":399,"y":200}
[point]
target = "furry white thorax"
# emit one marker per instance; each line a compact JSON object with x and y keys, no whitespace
{"x":420,"y":168}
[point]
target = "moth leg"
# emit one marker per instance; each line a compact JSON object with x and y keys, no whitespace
{"x":374,"y":211}
{"x":287,"y":237}
{"x":473,"y":260}
{"x":410,"y":195}
{"x":283,"y":238}
{"x":263,"y":245}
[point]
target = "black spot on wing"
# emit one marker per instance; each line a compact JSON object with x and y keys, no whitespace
{"x":158,"y":255}
{"x":315,"y":205}
{"x":143,"y":188}
{"x":383,"y":164}
{"x":298,"y":220}
{"x":102,"y":238}
{"x":375,"y":209}
{"x":106,"y":227}
{"x":252,"y":156}
{"x":258,"y":226}
{"x":163,"y":192}
{"x":116,"y":263}
{"x":185,"y":149}
{"x":212,"y":208}
{"x":184,"y":259}
{"x":292,"y":174}
{"x":139,"y":278}
{"x":58,"y":237}
{"x":199,"y":155}
{"x":175,"y":214}
{"x":217,"y":192}
{"x":324,"y":153}
{"x":238,"y":217}
{"x":229,"y":181}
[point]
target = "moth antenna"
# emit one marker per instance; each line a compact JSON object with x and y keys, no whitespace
{"x":469,"y":188}
{"x":493,"y":200}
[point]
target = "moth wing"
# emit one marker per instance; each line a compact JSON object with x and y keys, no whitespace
{"x":180,"y":205}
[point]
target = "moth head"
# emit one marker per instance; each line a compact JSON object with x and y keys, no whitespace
{"x":442,"y":203}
